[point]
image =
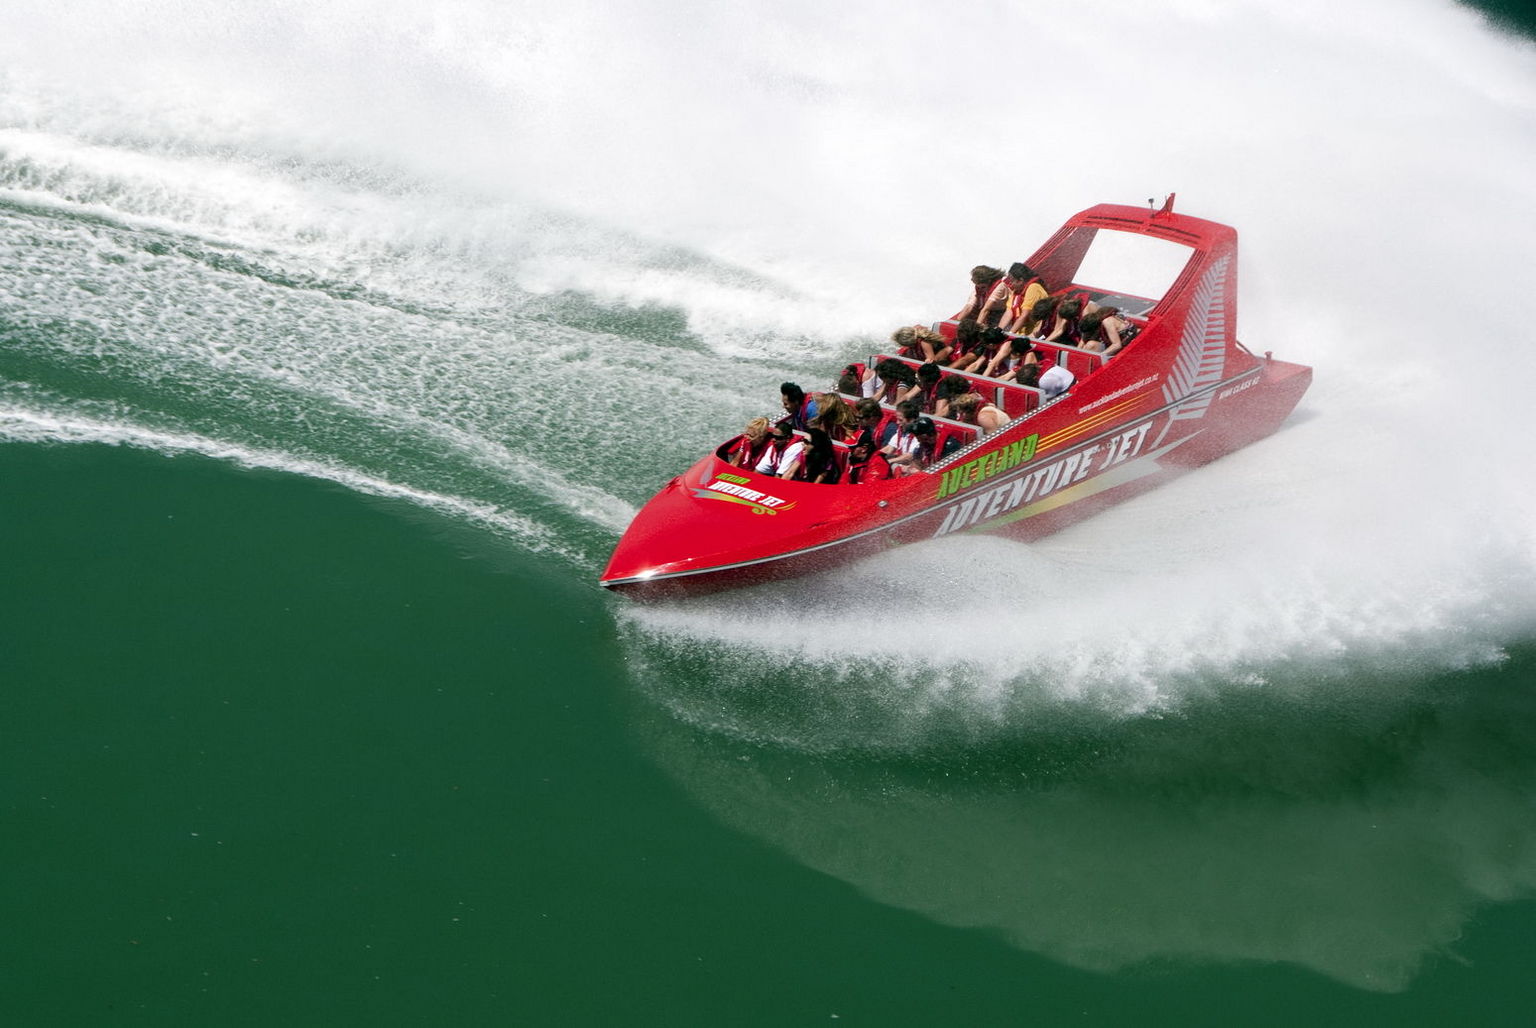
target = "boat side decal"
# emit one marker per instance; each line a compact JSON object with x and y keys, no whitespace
{"x":735,"y":489}
{"x":1202,"y":348}
{"x":1064,"y":494}
{"x":994,"y":462}
{"x":1051,"y":484}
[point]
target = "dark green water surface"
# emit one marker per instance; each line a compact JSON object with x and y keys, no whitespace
{"x":274,"y":753}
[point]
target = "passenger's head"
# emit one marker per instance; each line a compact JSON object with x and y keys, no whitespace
{"x":965,"y":406}
{"x":1030,"y":375}
{"x":1021,"y":272}
{"x":952,"y":386}
{"x":905,"y":337}
{"x":981,"y":274}
{"x":1043,"y":307}
{"x":892,"y":370}
{"x":756,"y":429}
{"x":821,"y":443}
{"x":993,"y":337}
{"x":908,"y":411}
{"x":924,"y":429}
{"x":968,"y":333}
{"x":782,"y":429}
{"x":867,"y":411}
{"x":928,"y":374}
{"x":850,"y":381}
{"x":862,"y":447}
{"x":1018,"y":347}
{"x":793,"y":396}
{"x":1070,"y":308}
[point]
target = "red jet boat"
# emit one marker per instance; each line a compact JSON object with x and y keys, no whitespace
{"x":1183,"y":392}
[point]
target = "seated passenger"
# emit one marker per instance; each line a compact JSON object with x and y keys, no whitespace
{"x":891,"y":378}
{"x":784,"y":453}
{"x":950,"y":386}
{"x":928,"y":449}
{"x":920,"y":343}
{"x":835,"y":418}
{"x":866,"y":463}
{"x":926,"y":391}
{"x":1039,"y":317}
{"x":1105,"y":331}
{"x":851,"y":381}
{"x":969,"y":348}
{"x":974,"y":410}
{"x":1024,"y":291}
{"x":1065,"y":326}
{"x":1011,"y":358}
{"x":868,"y":415}
{"x":897,"y":439}
{"x":749,"y":445}
{"x":801,"y":408}
{"x":1055,"y":380}
{"x":1029,"y":374}
{"x":820,"y":462}
{"x":984,"y":280}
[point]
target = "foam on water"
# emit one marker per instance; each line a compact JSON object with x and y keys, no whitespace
{"x":402,"y":243}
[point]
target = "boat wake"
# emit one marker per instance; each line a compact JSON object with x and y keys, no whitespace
{"x":479,"y":280}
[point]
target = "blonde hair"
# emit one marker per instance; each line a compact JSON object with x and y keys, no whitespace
{"x":756,"y":430}
{"x":965,"y":406}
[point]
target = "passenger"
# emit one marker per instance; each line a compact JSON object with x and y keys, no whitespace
{"x":851,"y":381}
{"x":1010,"y":359}
{"x":784,"y":453}
{"x":750,"y":444}
{"x":984,"y":280}
{"x":868,"y":415}
{"x":950,"y":386}
{"x":1029,"y":375}
{"x":1024,"y":291}
{"x":1055,"y":380}
{"x":801,"y":408}
{"x":1039,"y":317}
{"x":1065,"y":326}
{"x":969,"y":349}
{"x":835,"y":418}
{"x":821,"y":466}
{"x":993,"y":340}
{"x":920,"y":343}
{"x":866,"y":463}
{"x":891,"y":379}
{"x":1105,"y":331}
{"x":897,"y":439}
{"x":974,"y":410}
{"x":926,"y":391}
{"x":928,"y":449}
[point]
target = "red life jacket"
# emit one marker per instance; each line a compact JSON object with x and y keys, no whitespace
{"x":928,"y":396}
{"x":876,"y":469}
{"x":750,"y":452}
{"x":776,"y":449}
{"x":1016,"y":302}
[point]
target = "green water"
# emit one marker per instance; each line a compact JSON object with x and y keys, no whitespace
{"x":275,"y":753}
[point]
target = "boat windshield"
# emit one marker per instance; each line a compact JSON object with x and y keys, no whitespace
{"x":1131,"y":271}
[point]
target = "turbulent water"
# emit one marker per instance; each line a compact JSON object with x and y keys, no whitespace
{"x":515,"y":266}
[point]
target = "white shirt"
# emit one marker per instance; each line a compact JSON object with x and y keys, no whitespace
{"x":773,"y":461}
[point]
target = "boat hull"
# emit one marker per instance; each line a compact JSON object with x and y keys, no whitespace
{"x":1058,"y":488}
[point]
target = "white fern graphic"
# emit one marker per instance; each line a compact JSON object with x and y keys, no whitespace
{"x":1202,"y":355}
